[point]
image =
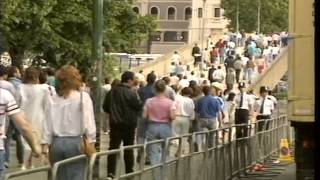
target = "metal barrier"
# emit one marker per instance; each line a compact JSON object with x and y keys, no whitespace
{"x":207,"y":156}
{"x":45,"y":169}
{"x":63,"y":163}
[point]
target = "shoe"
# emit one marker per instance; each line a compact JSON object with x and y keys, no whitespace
{"x":110,"y":176}
{"x":23,"y":167}
{"x":6,"y":165}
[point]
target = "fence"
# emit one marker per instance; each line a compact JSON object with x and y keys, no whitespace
{"x":218,"y":156}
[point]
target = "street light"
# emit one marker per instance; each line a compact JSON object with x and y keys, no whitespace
{"x":237,"y":16}
{"x":203,"y":27}
{"x":258,"y":23}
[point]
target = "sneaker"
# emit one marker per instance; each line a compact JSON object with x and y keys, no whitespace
{"x":23,"y":167}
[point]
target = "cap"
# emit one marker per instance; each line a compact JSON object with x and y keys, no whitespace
{"x":241,"y":85}
{"x":263,"y":89}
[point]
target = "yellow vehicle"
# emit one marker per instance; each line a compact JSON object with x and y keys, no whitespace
{"x":301,"y":89}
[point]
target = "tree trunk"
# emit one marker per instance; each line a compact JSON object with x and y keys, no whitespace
{"x":17,"y":55}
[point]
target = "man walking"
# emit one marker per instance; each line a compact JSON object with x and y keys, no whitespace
{"x":124,"y":107}
{"x":208,"y":108}
{"x":196,"y":54}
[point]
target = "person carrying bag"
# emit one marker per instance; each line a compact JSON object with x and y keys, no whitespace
{"x":69,"y":127}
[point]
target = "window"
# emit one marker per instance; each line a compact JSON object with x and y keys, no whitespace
{"x":171,"y":36}
{"x":156,"y":36}
{"x":136,"y":10}
{"x":171,"y":13}
{"x":154,"y":12}
{"x":200,"y":12}
{"x":188,"y":13}
{"x":217,"y":12}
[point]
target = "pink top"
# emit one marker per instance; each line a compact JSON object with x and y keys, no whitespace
{"x":158,"y":109}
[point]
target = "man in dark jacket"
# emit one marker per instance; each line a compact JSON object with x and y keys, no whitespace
{"x":124,"y":106}
{"x":210,"y":72}
{"x":229,"y":62}
{"x":196,"y":54}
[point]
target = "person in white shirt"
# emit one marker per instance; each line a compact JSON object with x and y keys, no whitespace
{"x":275,"y":50}
{"x":193,"y":77}
{"x":273,"y":99}
{"x":9,"y":108}
{"x":229,"y":111}
{"x":218,"y":75}
{"x":205,"y":55}
{"x":275,"y":39}
{"x":263,"y":107}
{"x":140,"y":77}
{"x":184,"y":82}
{"x":176,"y":58}
{"x":69,"y":116}
{"x":32,"y":104}
{"x":184,"y":115}
{"x":243,"y":110}
{"x":202,"y":79}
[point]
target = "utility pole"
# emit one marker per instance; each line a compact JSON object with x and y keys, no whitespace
{"x":202,"y":37}
{"x":97,"y":58}
{"x":259,"y":16}
{"x":237,"y":28}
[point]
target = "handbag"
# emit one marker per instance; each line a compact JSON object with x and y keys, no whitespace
{"x":88,"y":148}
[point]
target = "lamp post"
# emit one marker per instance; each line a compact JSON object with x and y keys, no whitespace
{"x":203,"y":27}
{"x":237,"y":26}
{"x":97,"y":57}
{"x":259,"y":16}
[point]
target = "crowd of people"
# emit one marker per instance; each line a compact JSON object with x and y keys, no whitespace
{"x":49,"y":112}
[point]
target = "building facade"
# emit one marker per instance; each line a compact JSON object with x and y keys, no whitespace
{"x":182,"y":22}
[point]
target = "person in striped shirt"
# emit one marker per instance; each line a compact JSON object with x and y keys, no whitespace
{"x":9,"y":107}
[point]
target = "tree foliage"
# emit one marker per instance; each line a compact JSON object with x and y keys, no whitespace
{"x":60,"y":31}
{"x":274,"y":15}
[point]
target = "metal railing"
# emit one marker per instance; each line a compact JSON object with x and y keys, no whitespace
{"x":221,"y":156}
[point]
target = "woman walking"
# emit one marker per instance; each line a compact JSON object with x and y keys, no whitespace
{"x":160,"y":112}
{"x":69,"y":116}
{"x":32,"y":104}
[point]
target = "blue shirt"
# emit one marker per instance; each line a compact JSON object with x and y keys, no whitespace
{"x":146,"y":92}
{"x":208,"y":107}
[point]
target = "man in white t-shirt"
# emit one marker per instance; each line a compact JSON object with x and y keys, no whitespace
{"x":184,"y":82}
{"x":176,"y":58}
{"x":218,"y":75}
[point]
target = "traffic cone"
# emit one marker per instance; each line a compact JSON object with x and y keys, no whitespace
{"x":285,"y":154}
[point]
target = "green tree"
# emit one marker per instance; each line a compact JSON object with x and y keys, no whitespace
{"x":59,"y":31}
{"x":274,"y":15}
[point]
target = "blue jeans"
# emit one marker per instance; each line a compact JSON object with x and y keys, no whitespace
{"x":248,"y":72}
{"x":2,"y":161}
{"x":208,"y":124}
{"x":141,"y":130}
{"x":66,"y":147}
{"x":14,"y":133}
{"x":156,"y":131}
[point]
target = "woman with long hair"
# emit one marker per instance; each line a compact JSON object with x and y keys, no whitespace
{"x":69,"y":117}
{"x":32,"y":104}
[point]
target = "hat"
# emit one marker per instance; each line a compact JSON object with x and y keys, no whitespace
{"x":242,"y":85}
{"x":263,"y":89}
